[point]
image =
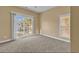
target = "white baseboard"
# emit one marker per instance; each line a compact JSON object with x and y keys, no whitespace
{"x":5,"y":41}
{"x":56,"y":38}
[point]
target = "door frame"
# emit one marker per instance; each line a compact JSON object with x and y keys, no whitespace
{"x":12,"y":23}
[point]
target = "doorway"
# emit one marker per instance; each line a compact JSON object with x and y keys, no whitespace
{"x":22,"y":25}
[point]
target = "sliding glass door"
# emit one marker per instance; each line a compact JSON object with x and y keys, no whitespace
{"x":22,"y":25}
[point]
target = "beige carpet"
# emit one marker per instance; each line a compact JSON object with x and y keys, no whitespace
{"x":34,"y":44}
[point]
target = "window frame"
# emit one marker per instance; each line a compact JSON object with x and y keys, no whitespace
{"x":63,"y":15}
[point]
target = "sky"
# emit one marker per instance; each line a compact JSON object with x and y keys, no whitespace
{"x":18,"y":18}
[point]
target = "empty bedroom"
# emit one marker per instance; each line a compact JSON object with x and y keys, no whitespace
{"x":35,"y":29}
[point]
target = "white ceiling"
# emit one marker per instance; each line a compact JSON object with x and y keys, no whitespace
{"x":38,"y":9}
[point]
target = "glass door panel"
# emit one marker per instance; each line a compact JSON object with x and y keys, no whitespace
{"x":22,"y":25}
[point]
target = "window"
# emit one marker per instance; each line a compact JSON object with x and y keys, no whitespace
{"x":64,"y":30}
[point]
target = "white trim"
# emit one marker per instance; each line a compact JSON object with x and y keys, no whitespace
{"x":56,"y":38}
{"x":5,"y":41}
{"x":12,"y":25}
